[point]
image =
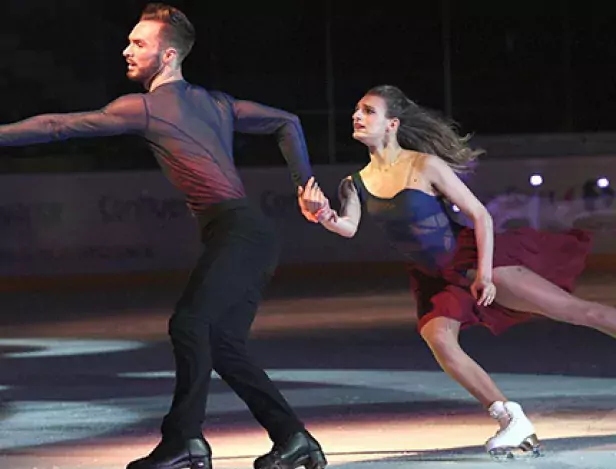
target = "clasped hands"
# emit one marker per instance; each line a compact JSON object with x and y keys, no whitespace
{"x":313,"y":203}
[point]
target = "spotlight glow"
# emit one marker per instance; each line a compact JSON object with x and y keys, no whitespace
{"x":455,"y":208}
{"x":603,"y":183}
{"x":536,"y":180}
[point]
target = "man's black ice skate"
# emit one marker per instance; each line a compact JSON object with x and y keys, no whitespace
{"x":191,"y":454}
{"x":301,"y":449}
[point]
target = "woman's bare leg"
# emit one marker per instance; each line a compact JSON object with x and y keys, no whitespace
{"x":516,"y":431}
{"x":521,"y":289}
{"x":441,"y":335}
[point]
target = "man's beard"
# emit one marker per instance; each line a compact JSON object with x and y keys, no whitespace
{"x":147,"y":74}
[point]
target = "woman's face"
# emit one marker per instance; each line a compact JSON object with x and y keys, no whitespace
{"x":370,"y":123}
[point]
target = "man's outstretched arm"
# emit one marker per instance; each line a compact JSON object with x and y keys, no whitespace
{"x":124,"y":115}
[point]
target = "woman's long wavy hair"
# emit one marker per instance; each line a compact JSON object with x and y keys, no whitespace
{"x":425,"y":131}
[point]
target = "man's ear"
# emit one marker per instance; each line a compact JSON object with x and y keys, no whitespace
{"x":170,"y":54}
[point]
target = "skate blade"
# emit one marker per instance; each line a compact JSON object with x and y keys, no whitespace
{"x":196,"y":464}
{"x":529,"y":448}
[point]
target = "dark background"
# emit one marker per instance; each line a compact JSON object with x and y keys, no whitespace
{"x":495,"y":67}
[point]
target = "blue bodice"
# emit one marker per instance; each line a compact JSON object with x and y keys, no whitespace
{"x":416,"y":224}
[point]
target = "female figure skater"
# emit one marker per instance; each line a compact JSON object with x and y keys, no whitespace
{"x":460,"y":276}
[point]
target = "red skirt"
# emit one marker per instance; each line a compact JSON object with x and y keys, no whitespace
{"x":557,"y":257}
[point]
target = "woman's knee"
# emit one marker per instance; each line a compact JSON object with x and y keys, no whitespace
{"x":441,"y":335}
{"x":589,"y":314}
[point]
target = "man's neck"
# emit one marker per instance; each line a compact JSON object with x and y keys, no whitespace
{"x":165,"y":77}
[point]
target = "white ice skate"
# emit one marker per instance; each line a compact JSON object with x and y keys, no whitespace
{"x":516,"y":436}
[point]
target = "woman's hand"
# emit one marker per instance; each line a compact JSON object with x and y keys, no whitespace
{"x":486,"y":287}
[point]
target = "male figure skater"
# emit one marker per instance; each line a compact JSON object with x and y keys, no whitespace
{"x":190,"y":132}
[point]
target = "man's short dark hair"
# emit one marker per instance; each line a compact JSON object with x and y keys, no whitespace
{"x":177,"y":30}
